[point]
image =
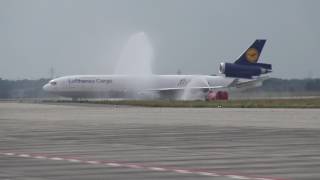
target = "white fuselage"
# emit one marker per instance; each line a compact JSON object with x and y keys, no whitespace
{"x":117,"y":86}
{"x":243,"y":73}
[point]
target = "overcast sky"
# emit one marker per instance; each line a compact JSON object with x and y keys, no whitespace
{"x":86,"y":36}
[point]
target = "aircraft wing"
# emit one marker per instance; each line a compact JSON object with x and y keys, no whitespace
{"x":189,"y":88}
{"x":236,"y":83}
{"x":173,"y":92}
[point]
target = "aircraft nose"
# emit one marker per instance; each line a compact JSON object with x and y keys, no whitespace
{"x":46,"y":87}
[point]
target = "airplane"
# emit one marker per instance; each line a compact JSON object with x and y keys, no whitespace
{"x":244,"y":73}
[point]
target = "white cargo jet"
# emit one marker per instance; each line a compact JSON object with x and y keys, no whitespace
{"x":243,"y":73}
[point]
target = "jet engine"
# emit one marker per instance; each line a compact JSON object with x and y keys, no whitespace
{"x":244,"y":70}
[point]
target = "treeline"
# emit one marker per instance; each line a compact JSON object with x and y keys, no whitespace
{"x":12,"y":89}
{"x":290,"y":85}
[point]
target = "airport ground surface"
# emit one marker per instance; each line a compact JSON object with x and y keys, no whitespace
{"x":40,"y":141}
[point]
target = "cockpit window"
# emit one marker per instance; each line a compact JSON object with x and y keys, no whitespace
{"x":53,"y":83}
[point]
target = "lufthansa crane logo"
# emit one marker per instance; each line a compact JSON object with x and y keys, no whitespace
{"x":252,"y":55}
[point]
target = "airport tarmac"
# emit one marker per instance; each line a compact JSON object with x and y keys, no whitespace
{"x":46,"y":141}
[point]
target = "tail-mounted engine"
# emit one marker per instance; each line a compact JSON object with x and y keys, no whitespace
{"x":244,"y":70}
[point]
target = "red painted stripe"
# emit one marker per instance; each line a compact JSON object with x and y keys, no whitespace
{"x":201,"y":172}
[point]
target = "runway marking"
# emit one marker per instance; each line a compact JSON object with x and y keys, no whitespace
{"x":40,"y":157}
{"x":157,"y":169}
{"x":237,"y":177}
{"x":137,"y":166}
{"x":74,"y":160}
{"x":93,"y":162}
{"x":134,"y":166}
{"x":56,"y":158}
{"x":182,"y":171}
{"x":113,"y":164}
{"x":207,"y":174}
{"x":24,"y":155}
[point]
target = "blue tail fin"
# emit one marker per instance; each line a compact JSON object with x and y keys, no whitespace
{"x":252,"y":54}
{"x":247,"y":66}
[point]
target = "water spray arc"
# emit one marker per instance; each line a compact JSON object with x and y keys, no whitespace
{"x":137,"y":56}
{"x":136,"y":60}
